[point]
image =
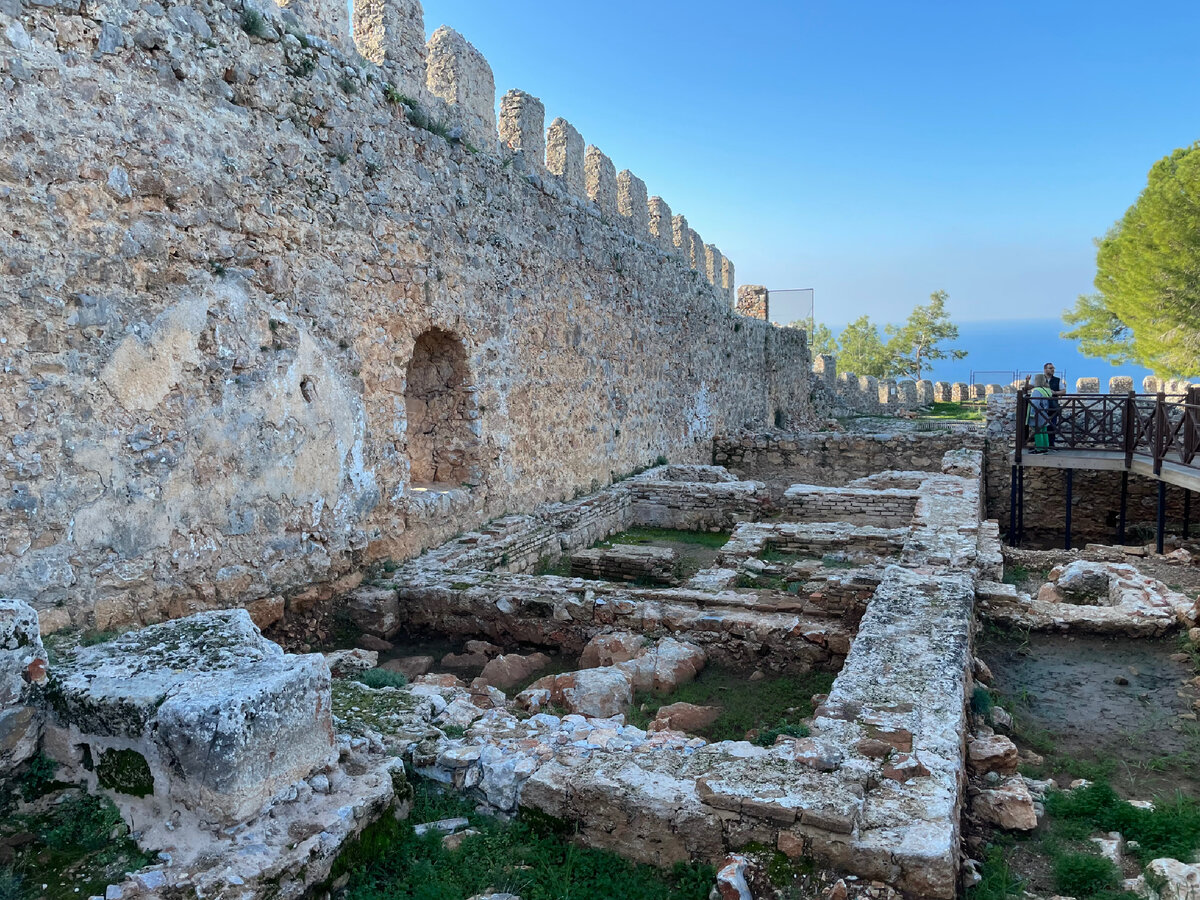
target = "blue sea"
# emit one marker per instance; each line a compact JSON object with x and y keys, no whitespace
{"x":1003,"y":349}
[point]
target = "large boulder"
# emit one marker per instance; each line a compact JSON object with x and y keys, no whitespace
{"x":609,"y":649}
{"x":23,"y":665}
{"x":687,"y":717}
{"x":513,"y":669}
{"x":598,"y":693}
{"x":664,"y":666}
{"x":202,"y":712}
{"x":375,"y":611}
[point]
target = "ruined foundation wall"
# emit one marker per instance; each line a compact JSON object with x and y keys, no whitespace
{"x":223,"y":239}
{"x":833,"y":459}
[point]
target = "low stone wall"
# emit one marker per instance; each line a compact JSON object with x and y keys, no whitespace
{"x":653,"y":565}
{"x":831,"y":458}
{"x":812,"y":540}
{"x":568,"y":612}
{"x":887,"y":508}
{"x":705,"y":504}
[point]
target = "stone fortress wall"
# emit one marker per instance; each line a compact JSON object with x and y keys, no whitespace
{"x":272,"y":309}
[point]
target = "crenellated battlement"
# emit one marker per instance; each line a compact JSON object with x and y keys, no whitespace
{"x":258,"y":256}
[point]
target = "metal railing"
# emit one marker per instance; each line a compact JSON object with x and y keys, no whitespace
{"x":1147,"y":425}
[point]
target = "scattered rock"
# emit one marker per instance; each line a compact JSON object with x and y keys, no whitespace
{"x":375,"y":611}
{"x":512,"y":669}
{"x":731,"y":878}
{"x":412,"y":666}
{"x":904,"y":766}
{"x":609,"y":649}
{"x":343,"y":663}
{"x":981,"y":671}
{"x":370,"y":642}
{"x":1174,"y":880}
{"x":686,"y":717}
{"x":1009,"y":805}
{"x":994,"y":753}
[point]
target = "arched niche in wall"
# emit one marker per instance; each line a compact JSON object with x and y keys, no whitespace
{"x":439,"y":404}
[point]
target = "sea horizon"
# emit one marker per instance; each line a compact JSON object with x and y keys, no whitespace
{"x":1001,"y":350}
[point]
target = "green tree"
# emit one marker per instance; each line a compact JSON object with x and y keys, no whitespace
{"x":1148,"y":276}
{"x":862,"y":351}
{"x":823,"y":340}
{"x":916,"y":343}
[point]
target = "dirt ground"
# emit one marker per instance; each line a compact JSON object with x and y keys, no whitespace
{"x":1094,"y":705}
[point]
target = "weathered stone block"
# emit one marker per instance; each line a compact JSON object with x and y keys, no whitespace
{"x":662,"y":222}
{"x":632,"y":202}
{"x":23,"y":665}
{"x":221,"y":717}
{"x":460,"y":75}
{"x":565,"y":156}
{"x":523,"y":127}
{"x":391,"y":33}
{"x":600,"y":176}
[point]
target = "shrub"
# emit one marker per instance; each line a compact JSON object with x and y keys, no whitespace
{"x":768,"y":736}
{"x":1083,"y":874}
{"x":381,"y":678}
{"x":253,"y":22}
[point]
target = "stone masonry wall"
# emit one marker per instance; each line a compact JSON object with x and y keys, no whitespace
{"x":833,"y":459}
{"x":225,"y":233}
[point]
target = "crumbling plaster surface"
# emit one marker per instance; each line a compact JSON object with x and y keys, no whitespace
{"x":219,"y":252}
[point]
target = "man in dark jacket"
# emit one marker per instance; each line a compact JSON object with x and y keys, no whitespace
{"x":1056,"y":390}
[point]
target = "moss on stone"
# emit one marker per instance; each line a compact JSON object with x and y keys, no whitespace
{"x":386,"y":710}
{"x":126,"y":772}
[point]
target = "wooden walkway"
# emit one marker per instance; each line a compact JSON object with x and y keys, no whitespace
{"x":1139,"y":434}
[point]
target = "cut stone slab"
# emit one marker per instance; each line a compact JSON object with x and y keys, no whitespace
{"x":221,"y":717}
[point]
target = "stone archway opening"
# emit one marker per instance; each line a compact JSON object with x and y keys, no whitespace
{"x":439,"y":403}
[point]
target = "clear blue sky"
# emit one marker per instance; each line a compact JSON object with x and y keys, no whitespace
{"x":875,"y":151}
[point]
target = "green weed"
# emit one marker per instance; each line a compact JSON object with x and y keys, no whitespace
{"x":253,"y":22}
{"x":381,"y":678}
{"x":528,"y":856}
{"x":745,"y":705}
{"x":1171,"y":829}
{"x":712,"y":539}
{"x":1084,"y":874}
{"x":998,"y":879}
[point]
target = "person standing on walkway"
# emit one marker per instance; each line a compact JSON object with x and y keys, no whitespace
{"x":1039,"y":413}
{"x":1054,"y":383}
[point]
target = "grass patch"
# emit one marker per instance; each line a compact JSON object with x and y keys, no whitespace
{"x":80,"y":846}
{"x":528,"y":857}
{"x":998,"y":879}
{"x":1171,"y":829}
{"x":381,"y":678}
{"x":1084,"y":874}
{"x":1015,"y":574}
{"x":712,"y":539}
{"x":772,"y":703}
{"x":549,"y":565}
{"x":761,"y":582}
{"x":953,"y":411}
